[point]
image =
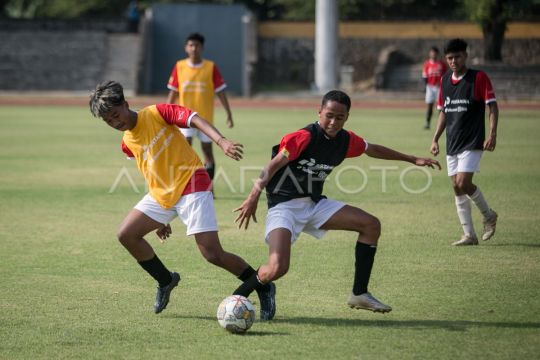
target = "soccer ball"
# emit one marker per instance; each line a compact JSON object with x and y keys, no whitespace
{"x":236,"y":314}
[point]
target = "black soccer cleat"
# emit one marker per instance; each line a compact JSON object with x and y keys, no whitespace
{"x":267,"y":298}
{"x":163,"y":293}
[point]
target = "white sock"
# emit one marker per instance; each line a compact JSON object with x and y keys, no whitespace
{"x":463,"y":205}
{"x":481,"y":203}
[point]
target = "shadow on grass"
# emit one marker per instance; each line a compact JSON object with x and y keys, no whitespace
{"x":213,"y":319}
{"x":452,"y":325}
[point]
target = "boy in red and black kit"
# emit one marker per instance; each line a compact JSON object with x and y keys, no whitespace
{"x":294,"y":180}
{"x":178,"y":186}
{"x":462,"y":101}
{"x":432,"y":72}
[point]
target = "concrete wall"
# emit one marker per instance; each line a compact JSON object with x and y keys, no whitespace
{"x":51,"y":60}
{"x":70,"y":55}
{"x":286,"y":50}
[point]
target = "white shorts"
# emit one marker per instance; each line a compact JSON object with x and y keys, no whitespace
{"x":301,"y":215}
{"x":191,"y":132}
{"x":464,"y":162}
{"x":196,"y":210}
{"x":432,"y":94}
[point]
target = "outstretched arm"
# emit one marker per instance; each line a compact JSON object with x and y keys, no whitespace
{"x":232,"y":149}
{"x":249,"y":206}
{"x":225,"y":103}
{"x":441,"y":125}
{"x":491,"y":141}
{"x":382,"y":152}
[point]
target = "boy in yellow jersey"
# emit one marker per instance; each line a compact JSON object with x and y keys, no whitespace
{"x":177,"y":181}
{"x":193,"y":83}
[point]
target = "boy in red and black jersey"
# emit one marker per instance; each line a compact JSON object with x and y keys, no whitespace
{"x":462,"y":101}
{"x":294,"y":181}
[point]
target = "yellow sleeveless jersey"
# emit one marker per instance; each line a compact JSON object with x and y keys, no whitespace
{"x":196,"y":88}
{"x":163,"y":156}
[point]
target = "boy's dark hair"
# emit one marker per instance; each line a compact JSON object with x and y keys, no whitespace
{"x":337,"y":96}
{"x":434,"y":48}
{"x":106,"y":95}
{"x":195,"y":37}
{"x":455,"y":45}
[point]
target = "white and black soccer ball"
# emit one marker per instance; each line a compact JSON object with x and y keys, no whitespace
{"x":236,"y":314}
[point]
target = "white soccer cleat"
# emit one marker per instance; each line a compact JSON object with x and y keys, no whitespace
{"x":466,"y":240}
{"x":367,"y":301}
{"x":489,"y":226}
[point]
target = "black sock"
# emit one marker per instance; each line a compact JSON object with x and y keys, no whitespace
{"x":428,"y":116}
{"x":210,"y":170}
{"x":252,"y":283}
{"x":157,"y":270}
{"x":365,"y":255}
{"x":246,"y":273}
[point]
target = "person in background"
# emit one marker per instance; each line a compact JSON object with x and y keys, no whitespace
{"x":432,"y":72}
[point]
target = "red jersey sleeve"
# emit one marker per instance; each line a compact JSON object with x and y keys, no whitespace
{"x":440,"y":100}
{"x":173,"y":80}
{"x":175,"y":114}
{"x":483,"y":89}
{"x":126,"y":150}
{"x":219,"y":83}
{"x":294,"y":143}
{"x":357,"y":145}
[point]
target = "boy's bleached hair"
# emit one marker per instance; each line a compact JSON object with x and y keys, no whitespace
{"x":106,"y":95}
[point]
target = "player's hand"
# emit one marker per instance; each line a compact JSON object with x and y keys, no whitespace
{"x":490,"y":143}
{"x":232,"y":149}
{"x":164,"y":232}
{"x":247,"y":211}
{"x":434,"y":148}
{"x":229,"y":122}
{"x":432,"y":163}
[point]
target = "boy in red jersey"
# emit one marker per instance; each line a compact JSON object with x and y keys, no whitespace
{"x":193,"y":83}
{"x":432,"y":71}
{"x":177,"y":181}
{"x":462,"y":101}
{"x":294,"y":181}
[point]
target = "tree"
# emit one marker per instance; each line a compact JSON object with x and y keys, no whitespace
{"x":492,"y":16}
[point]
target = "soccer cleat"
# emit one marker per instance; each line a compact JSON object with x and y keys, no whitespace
{"x":163,"y":293}
{"x":367,"y":301}
{"x":267,"y":298}
{"x":466,"y":240}
{"x":489,"y":226}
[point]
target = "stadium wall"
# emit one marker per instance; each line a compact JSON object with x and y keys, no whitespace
{"x":361,"y":43}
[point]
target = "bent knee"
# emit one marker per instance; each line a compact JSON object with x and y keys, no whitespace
{"x":372,"y":227}
{"x":214,"y":257}
{"x":124,"y":236}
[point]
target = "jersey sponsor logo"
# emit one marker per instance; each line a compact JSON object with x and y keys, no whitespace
{"x":311,"y":167}
{"x":181,"y":114}
{"x":147,"y":148}
{"x":194,"y":86}
{"x":448,"y":108}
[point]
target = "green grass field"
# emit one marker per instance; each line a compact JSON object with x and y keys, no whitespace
{"x":68,"y":290}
